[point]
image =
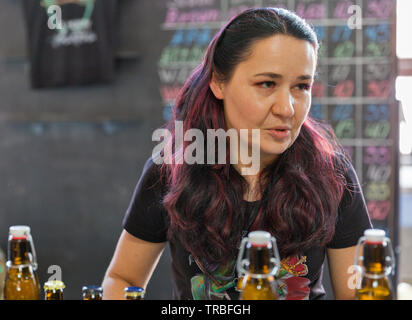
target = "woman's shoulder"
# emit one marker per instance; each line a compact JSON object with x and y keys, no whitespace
{"x":352,"y":191}
{"x":340,"y":160}
{"x":150,"y":167}
{"x":343,"y":164}
{"x":152,"y":175}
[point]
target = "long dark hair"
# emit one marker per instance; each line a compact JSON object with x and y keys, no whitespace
{"x":204,"y":201}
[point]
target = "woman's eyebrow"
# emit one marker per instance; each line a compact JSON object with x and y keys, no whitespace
{"x":305,"y":77}
{"x":268,"y":74}
{"x":277,"y":76}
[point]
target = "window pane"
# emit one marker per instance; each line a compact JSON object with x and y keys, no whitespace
{"x":404,"y":26}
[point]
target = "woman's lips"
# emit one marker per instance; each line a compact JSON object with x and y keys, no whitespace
{"x":279,"y":134}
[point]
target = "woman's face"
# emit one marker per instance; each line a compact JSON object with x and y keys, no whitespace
{"x":270,"y":91}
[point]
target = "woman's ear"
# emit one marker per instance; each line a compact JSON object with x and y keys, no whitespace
{"x":217,"y":87}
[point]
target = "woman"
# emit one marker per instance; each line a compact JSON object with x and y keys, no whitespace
{"x":257,"y":74}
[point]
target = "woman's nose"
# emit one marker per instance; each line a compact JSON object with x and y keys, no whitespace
{"x":283,"y":104}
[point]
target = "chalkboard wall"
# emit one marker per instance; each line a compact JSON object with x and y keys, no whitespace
{"x":354,"y":90}
{"x":70,"y":157}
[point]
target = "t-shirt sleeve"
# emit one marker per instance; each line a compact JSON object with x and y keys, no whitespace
{"x":353,"y":217}
{"x":145,"y":217}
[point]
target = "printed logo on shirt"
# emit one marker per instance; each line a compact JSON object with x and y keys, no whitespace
{"x":291,"y":279}
{"x":204,"y":289}
{"x":73,"y":32}
{"x":292,"y":283}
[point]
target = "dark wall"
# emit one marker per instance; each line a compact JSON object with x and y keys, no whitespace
{"x":70,"y":157}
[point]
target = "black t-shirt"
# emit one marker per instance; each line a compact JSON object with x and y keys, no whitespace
{"x":300,"y":277}
{"x":80,"y":51}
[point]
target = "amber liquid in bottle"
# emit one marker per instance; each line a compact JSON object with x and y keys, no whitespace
{"x":92,"y":297}
{"x":21,"y":282}
{"x":53,"y":290}
{"x":375,"y":285}
{"x":264,"y":287}
{"x":56,"y":294}
{"x":133,"y":297}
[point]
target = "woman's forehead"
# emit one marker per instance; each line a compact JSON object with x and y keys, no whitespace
{"x":281,"y":55}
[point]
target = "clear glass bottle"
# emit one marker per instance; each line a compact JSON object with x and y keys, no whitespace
{"x":377,"y":266}
{"x":53,"y":290}
{"x":21,"y":281}
{"x":134,"y":293}
{"x":258,"y":263}
{"x":92,"y":293}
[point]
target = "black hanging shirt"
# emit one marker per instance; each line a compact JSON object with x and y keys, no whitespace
{"x":77,"y":49}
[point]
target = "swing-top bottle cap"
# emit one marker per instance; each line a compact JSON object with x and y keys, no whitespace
{"x":54,"y":285}
{"x":134,"y":292}
{"x":19,"y":231}
{"x":93,"y":288}
{"x":134,"y":289}
{"x":374,"y":235}
{"x":259,"y":238}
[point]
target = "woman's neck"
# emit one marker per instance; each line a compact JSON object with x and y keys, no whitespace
{"x":254,"y":192}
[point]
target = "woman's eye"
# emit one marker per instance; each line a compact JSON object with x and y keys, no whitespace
{"x":304,"y":86}
{"x":267,"y":84}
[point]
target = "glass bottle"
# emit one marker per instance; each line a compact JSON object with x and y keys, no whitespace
{"x":21,"y":281}
{"x":53,"y":290}
{"x":92,"y":293}
{"x":2,"y":273}
{"x":377,"y":266}
{"x":134,"y":293}
{"x":258,"y":263}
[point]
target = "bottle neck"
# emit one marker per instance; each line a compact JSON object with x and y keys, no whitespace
{"x":56,"y":294}
{"x":374,"y":258}
{"x":134,"y":296}
{"x":19,"y":249}
{"x":92,"y":296}
{"x":259,"y":257}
